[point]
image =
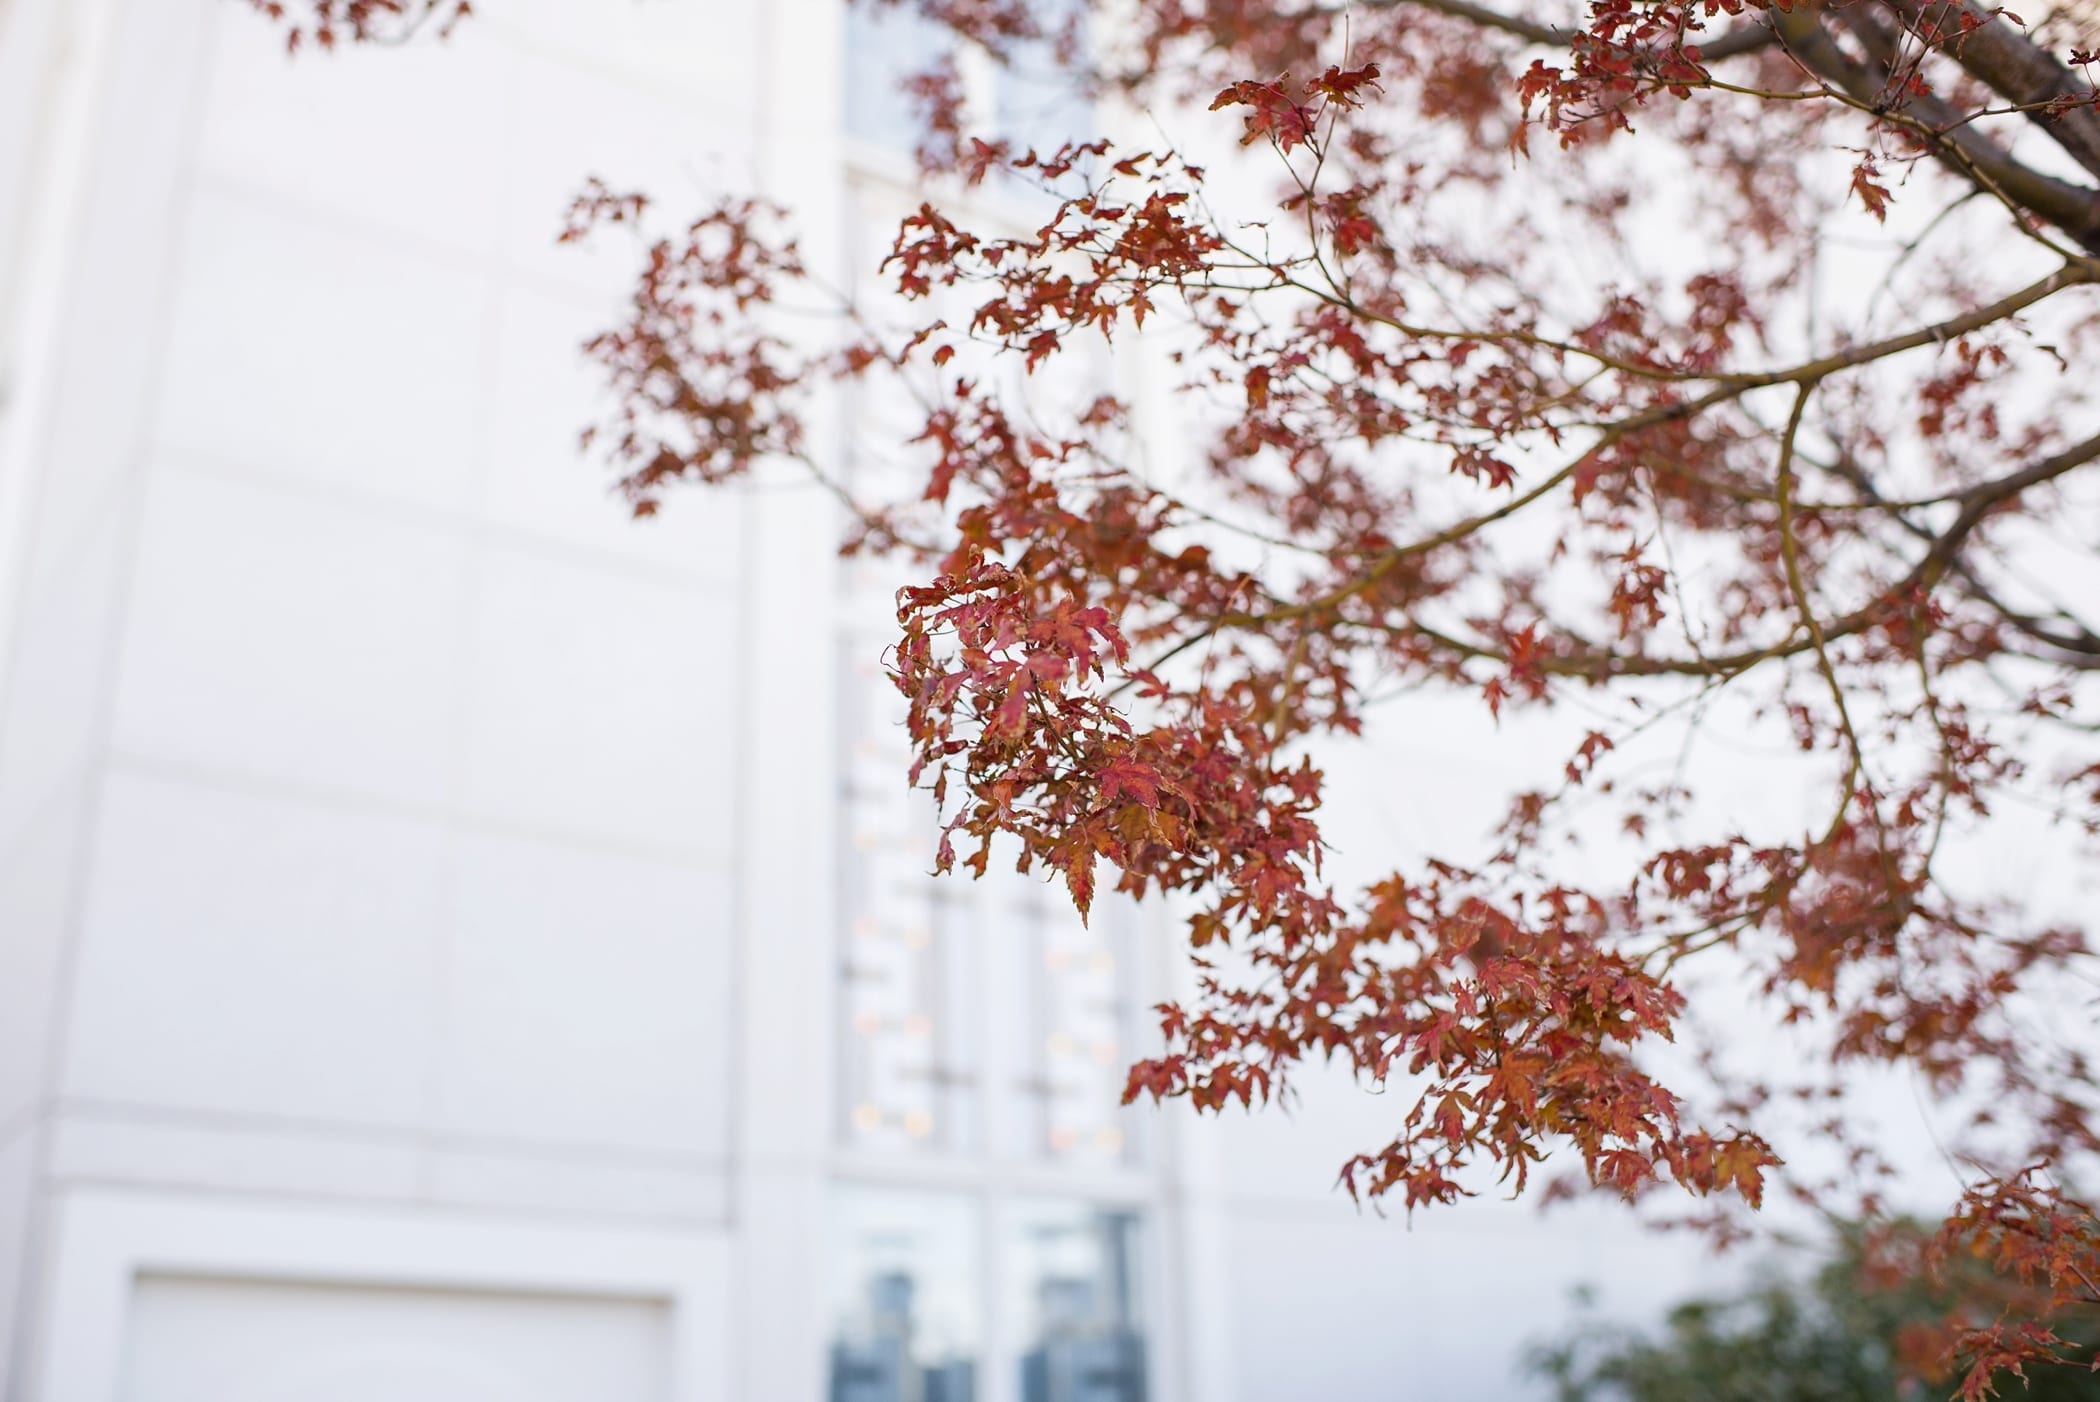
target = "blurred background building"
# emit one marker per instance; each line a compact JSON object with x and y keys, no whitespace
{"x":459,"y":943}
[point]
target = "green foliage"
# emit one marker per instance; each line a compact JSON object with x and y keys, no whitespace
{"x":1838,"y":1336}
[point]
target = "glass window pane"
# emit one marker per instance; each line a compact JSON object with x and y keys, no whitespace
{"x":886,"y":46}
{"x":908,"y":967}
{"x":1068,"y":996}
{"x":1031,"y":97}
{"x":1073,"y":1292}
{"x":904,"y":1298}
{"x":1037,"y":97}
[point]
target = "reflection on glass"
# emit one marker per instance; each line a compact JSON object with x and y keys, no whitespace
{"x":1031,"y":97}
{"x":1074,"y":988}
{"x":906,"y":973}
{"x":1037,"y":99}
{"x":904,"y":1298}
{"x":886,"y":47}
{"x":1073,"y":1290}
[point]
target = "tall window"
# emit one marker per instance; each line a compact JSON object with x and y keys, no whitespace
{"x":909,"y":1322}
{"x":905,"y":1321}
{"x":985,"y":1037}
{"x":980,"y":1018}
{"x":1073,"y":992}
{"x":992,"y":1192}
{"x":910,"y":970}
{"x":1074,"y":1303}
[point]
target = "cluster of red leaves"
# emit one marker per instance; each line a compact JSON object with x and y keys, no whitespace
{"x":2017,"y":1270}
{"x":703,"y":390}
{"x":1625,"y":52}
{"x":1290,"y":119}
{"x":329,"y":22}
{"x":2043,"y":1246}
{"x":1428,"y":455}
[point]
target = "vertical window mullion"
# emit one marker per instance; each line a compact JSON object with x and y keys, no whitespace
{"x":1001,"y":1378}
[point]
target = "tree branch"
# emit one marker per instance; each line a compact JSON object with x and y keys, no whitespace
{"x":1972,"y":153}
{"x":2012,"y":64}
{"x":1740,"y":39}
{"x":1940,"y":559}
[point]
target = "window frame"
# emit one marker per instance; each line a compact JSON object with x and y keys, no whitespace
{"x":1150,"y":1183}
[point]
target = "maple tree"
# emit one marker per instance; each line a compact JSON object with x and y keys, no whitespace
{"x":1652,"y":366}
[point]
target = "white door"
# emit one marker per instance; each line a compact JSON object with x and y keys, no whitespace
{"x":209,"y":1340}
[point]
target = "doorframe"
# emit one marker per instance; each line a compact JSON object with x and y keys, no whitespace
{"x":106,"y":1239}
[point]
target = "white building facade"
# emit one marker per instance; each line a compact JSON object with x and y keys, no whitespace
{"x":457,"y":942}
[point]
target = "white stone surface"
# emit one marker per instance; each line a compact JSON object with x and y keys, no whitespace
{"x":396,"y":140}
{"x":512,"y":1184}
{"x":51,"y":723}
{"x":246,"y":1155}
{"x":304,"y":350}
{"x":113,"y":274}
{"x":36,"y":886}
{"x":684,"y":142}
{"x":245,"y":953}
{"x":18,"y":1161}
{"x":599,"y":704}
{"x":587,"y":1000}
{"x":282,"y":637}
{"x":539,"y":483}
